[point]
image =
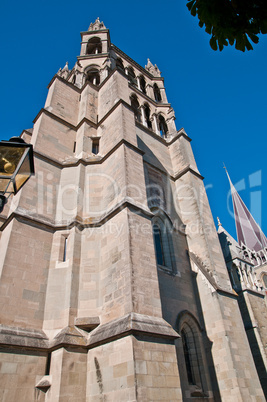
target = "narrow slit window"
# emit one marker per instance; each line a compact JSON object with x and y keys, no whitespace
{"x":95,"y":146}
{"x":48,"y":364}
{"x":158,"y":245}
{"x":188,"y":364}
{"x":74,"y":146}
{"x":65,"y":239}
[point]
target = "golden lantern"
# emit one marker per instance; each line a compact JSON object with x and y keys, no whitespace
{"x":16,"y":166}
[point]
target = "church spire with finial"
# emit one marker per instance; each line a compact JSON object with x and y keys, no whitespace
{"x":248,"y":231}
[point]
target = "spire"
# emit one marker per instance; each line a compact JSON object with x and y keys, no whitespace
{"x":248,"y":231}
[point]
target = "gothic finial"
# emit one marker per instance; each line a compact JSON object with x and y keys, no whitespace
{"x":149,"y":64}
{"x":219,"y":222}
{"x":66,"y":67}
{"x":152,"y":69}
{"x":97,"y":25}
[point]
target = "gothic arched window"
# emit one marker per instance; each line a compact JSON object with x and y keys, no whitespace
{"x":131,"y":75}
{"x":136,"y":108}
{"x":163,"y":128}
{"x":191,"y":350}
{"x":94,"y":46}
{"x":147,"y":115}
{"x":142,"y":84}
{"x":157,"y":94}
{"x":119,"y":64}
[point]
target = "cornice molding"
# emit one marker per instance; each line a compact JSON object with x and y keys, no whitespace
{"x":92,"y":160}
{"x":187,"y":169}
{"x":74,"y":337}
{"x":210,"y":278}
{"x":180,"y":133}
{"x":78,"y":222}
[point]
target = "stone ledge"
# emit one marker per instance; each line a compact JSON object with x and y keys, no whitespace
{"x":87,"y":323}
{"x":126,"y":202}
{"x":132,"y":323}
{"x":180,"y":133}
{"x":37,"y":339}
{"x":69,"y":336}
{"x":20,"y":337}
{"x":187,"y":169}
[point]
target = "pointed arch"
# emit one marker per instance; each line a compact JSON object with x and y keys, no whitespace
{"x":147,"y":115}
{"x":119,"y":64}
{"x":157,"y":94}
{"x":195,"y":368}
{"x":142,"y":84}
{"x":131,"y":75}
{"x":264,"y":279}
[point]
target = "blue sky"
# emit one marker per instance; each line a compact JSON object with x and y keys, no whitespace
{"x":218,"y":97}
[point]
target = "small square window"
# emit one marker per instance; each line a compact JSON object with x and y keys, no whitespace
{"x":95,"y":146}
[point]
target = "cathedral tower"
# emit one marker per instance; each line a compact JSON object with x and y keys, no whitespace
{"x":113,"y":283}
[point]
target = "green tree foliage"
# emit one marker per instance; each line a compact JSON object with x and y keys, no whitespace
{"x":231,"y":21}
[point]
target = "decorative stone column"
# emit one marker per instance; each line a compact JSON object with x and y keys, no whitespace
{"x":143,"y":115}
{"x":244,"y":270}
{"x":156,"y":126}
{"x":138,"y":83}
